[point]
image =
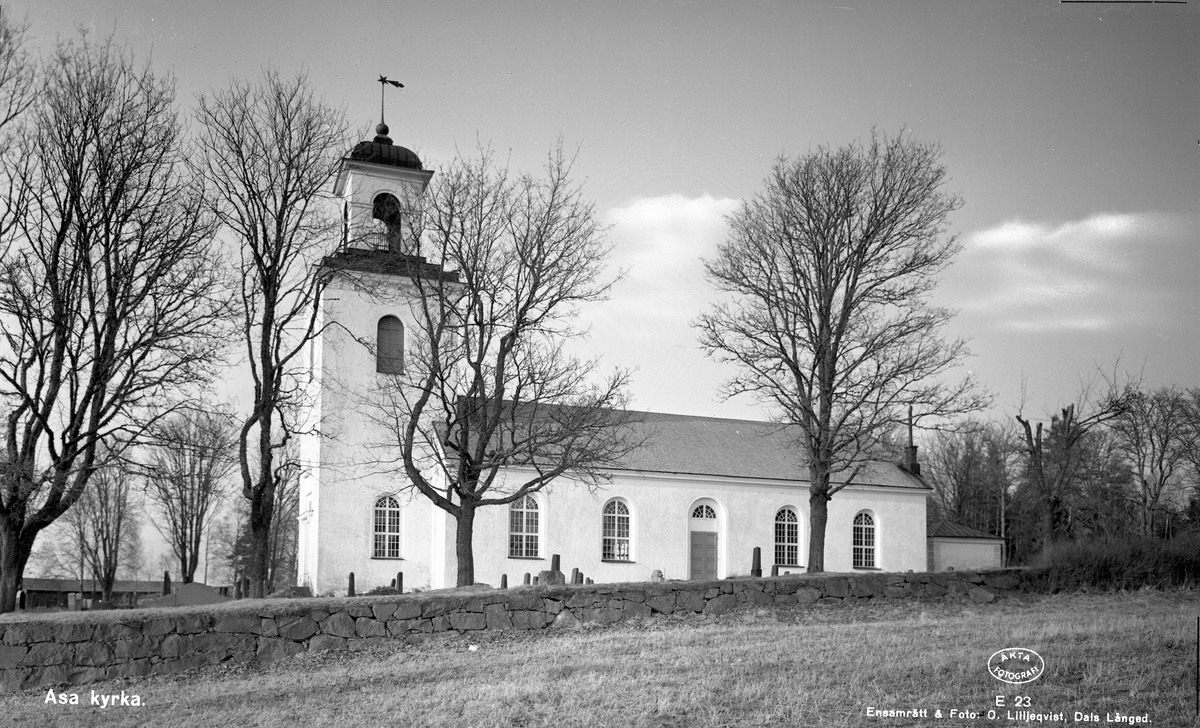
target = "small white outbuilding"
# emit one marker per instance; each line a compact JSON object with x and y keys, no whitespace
{"x":955,"y":546}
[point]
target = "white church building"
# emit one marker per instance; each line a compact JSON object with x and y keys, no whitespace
{"x":693,"y":502}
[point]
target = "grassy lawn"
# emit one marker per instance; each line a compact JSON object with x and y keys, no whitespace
{"x":1130,"y":653}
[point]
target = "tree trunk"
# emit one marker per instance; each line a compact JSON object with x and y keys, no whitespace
{"x":1052,"y":523}
{"x":106,"y":584}
{"x":14,"y":553}
{"x":818,"y":511}
{"x":462,"y":544}
{"x":193,"y":557}
{"x":260,"y":549}
{"x":262,"y":494}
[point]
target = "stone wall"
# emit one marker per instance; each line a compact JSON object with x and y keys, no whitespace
{"x":79,"y":648}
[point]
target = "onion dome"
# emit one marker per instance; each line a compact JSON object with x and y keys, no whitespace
{"x":380,"y":150}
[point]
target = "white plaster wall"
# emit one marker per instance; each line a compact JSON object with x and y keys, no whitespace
{"x":660,"y":511}
{"x":353,"y":463}
{"x":899,"y":527}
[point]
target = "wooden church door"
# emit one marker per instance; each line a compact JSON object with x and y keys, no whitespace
{"x":704,"y":555}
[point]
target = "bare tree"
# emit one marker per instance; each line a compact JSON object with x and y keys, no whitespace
{"x":1054,"y":456}
{"x":17,"y":71}
{"x":269,"y":152}
{"x":970,"y":472}
{"x":17,"y":92}
{"x":829,"y":271}
{"x":18,"y":75}
{"x":100,"y":525}
{"x":1192,"y":453}
{"x":228,"y":545}
{"x":110,"y":303}
{"x":285,"y":531}
{"x":230,"y":540}
{"x":1101,"y":502}
{"x":1155,"y":432}
{"x":489,"y":387}
{"x":186,"y":481}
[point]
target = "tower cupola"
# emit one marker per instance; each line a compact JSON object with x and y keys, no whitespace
{"x":381,"y":184}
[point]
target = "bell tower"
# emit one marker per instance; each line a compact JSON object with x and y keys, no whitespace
{"x":380,"y":185}
{"x":356,"y":516}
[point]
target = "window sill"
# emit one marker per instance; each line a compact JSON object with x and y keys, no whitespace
{"x":387,"y":558}
{"x":617,"y":561}
{"x":527,"y":558}
{"x":866,"y":568}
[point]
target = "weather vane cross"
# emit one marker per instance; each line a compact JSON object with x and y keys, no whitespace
{"x":383,"y":84}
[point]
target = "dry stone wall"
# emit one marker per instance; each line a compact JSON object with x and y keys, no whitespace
{"x":80,"y":648}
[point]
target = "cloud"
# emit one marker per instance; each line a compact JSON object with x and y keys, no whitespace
{"x":1098,"y":273}
{"x":660,"y":243}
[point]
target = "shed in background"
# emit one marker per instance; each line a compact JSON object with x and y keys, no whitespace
{"x":952,"y":545}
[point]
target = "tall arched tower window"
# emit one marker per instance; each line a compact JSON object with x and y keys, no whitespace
{"x":389,"y":346}
{"x":387,"y":529}
{"x":864,"y":541}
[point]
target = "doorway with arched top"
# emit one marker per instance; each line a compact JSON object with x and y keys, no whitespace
{"x":704,"y":530}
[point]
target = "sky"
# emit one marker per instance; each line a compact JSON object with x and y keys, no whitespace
{"x":1069,"y":130}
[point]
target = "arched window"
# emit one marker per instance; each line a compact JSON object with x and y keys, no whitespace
{"x":703,"y":511}
{"x":387,"y":529}
{"x":616,"y":532}
{"x":864,"y":541}
{"x":523,"y":528}
{"x":386,"y":209}
{"x":389,"y":353}
{"x":787,"y":538}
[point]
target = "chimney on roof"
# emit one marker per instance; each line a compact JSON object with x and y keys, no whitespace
{"x":910,"y":452}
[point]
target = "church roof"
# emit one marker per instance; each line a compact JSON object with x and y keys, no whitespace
{"x":692,"y":445}
{"x":392,"y":155}
{"x":950,"y":529}
{"x":381,"y":151}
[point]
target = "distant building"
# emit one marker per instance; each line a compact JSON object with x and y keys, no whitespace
{"x":693,"y":503}
{"x":955,"y":546}
{"x":73,"y":593}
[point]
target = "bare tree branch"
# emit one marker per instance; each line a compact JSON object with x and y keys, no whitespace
{"x":111,"y":302}
{"x":1155,"y":432}
{"x":101,"y":525}
{"x":493,"y":409}
{"x":1054,"y":456}
{"x":192,"y":459}
{"x":269,"y":152}
{"x":828,"y":273}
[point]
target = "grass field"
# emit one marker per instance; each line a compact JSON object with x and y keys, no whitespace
{"x":1105,"y":654}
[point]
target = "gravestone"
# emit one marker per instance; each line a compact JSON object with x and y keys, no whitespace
{"x":553,"y":578}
